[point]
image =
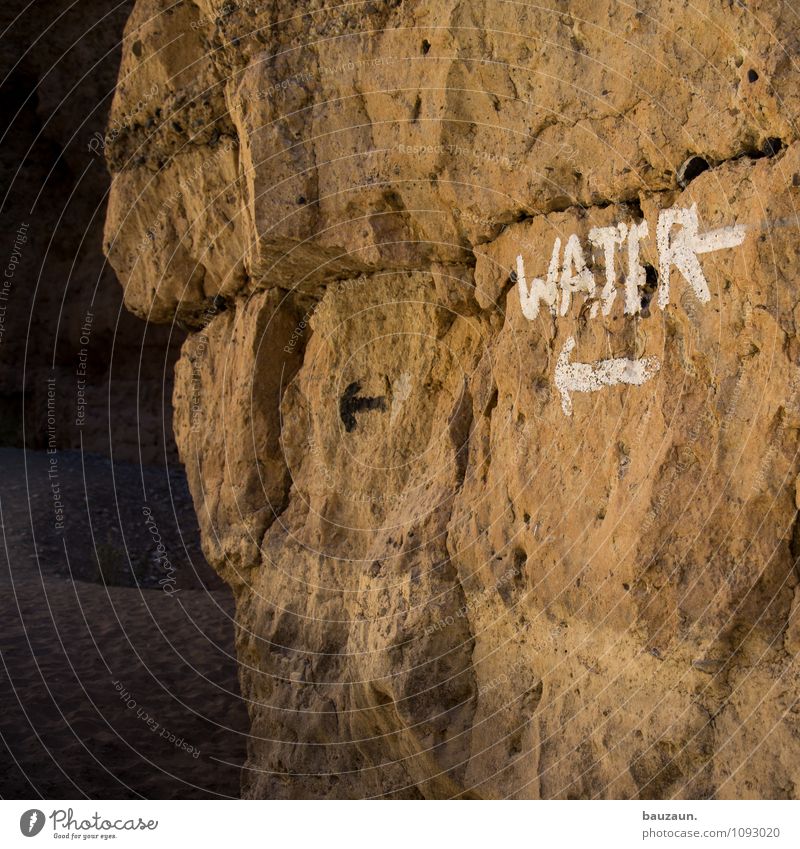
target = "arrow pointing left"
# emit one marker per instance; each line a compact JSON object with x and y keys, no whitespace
{"x":351,"y":403}
{"x":589,"y":377}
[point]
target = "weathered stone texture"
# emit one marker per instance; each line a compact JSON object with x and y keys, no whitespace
{"x":446,"y":585}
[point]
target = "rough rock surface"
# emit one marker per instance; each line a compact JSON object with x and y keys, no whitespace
{"x":452,"y":578}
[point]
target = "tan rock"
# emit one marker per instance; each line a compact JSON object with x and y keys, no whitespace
{"x":458,"y":572}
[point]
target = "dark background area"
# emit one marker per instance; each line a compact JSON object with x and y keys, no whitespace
{"x":118,"y":676}
{"x":58,"y":68}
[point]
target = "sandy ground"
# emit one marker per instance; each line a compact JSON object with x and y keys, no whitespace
{"x":110,"y":691}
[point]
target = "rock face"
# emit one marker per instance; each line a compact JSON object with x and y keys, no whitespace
{"x":490,"y":407}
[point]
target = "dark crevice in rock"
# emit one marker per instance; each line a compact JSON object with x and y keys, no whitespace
{"x":193,"y":321}
{"x":460,"y":427}
{"x":647,"y":291}
{"x":492,"y":403}
{"x":696,"y":164}
{"x":521,"y":216}
{"x":770,"y":147}
{"x":693,"y":167}
{"x":635,"y":207}
{"x":690,"y":170}
{"x":794,"y":544}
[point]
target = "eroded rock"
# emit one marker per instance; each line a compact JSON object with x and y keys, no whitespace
{"x":445,"y":585}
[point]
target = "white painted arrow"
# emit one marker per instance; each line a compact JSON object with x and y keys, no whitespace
{"x":589,"y":377}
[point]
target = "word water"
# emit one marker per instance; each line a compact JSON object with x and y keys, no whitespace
{"x":679,"y":243}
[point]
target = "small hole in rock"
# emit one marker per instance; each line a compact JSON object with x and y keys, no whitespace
{"x":137,"y":49}
{"x":752,"y":76}
{"x":648,"y":290}
{"x":426,"y":46}
{"x":626,"y":587}
{"x":691,"y":168}
{"x":301,"y":200}
{"x":772,"y":146}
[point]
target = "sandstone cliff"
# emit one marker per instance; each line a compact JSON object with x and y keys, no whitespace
{"x":409,"y":239}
